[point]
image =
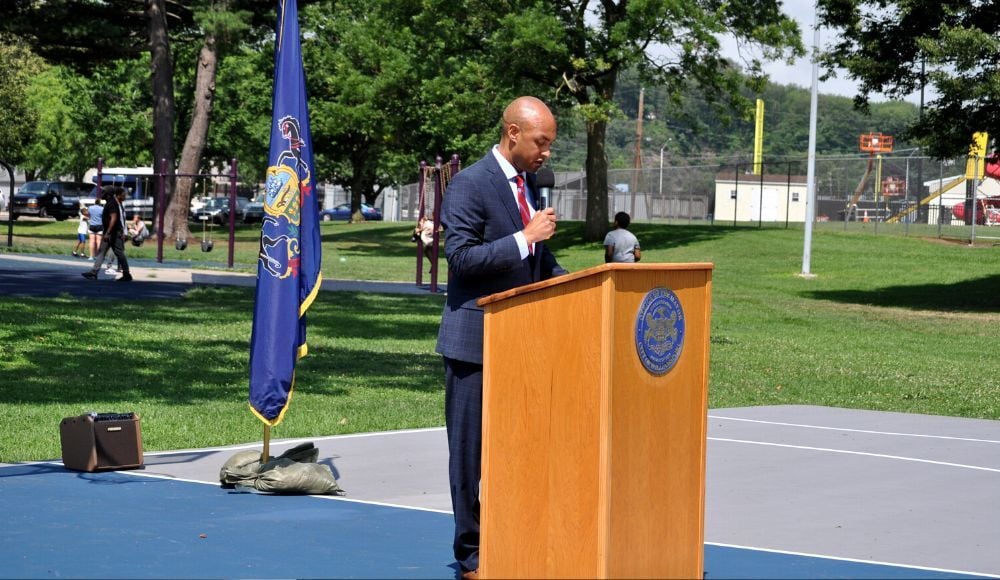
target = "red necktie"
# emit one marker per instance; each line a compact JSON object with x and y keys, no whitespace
{"x":522,"y":206}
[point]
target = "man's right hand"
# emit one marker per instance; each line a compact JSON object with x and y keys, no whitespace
{"x":541,"y":227}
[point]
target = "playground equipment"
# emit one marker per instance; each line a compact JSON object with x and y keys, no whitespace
{"x":975,"y":168}
{"x":440,"y":175}
{"x":987,"y":211}
{"x":874,"y":144}
{"x":987,"y":208}
{"x":206,"y":233}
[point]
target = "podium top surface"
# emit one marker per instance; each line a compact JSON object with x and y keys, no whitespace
{"x":593,"y":271}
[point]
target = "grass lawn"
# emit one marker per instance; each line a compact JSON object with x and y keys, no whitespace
{"x":890,"y":323}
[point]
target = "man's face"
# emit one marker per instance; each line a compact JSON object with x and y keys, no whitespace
{"x":532,"y":143}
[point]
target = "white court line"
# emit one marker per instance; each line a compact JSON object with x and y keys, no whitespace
{"x":852,"y":430}
{"x":858,"y":560}
{"x":166,"y":477}
{"x":844,"y":451}
{"x":293,"y":442}
{"x":329,"y":497}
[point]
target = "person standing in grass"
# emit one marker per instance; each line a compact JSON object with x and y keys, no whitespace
{"x":493,"y":242}
{"x":621,"y":245}
{"x":82,"y":231}
{"x":95,"y":226}
{"x":114,"y":235}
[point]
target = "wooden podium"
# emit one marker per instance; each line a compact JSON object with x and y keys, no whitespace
{"x":593,"y":465}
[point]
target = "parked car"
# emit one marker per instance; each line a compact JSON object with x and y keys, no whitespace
{"x":198,"y":203}
{"x":254,"y":211}
{"x":58,"y":199}
{"x":343,"y":212}
{"x":216,"y":210}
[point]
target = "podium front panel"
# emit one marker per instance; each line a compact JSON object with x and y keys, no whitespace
{"x":658,"y":429}
{"x":593,"y":466}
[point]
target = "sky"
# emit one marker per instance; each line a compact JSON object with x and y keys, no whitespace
{"x":800,"y":73}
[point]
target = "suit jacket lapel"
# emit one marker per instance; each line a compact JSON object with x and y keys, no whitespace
{"x":502,"y":188}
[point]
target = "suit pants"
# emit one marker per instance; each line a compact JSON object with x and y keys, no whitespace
{"x":463,"y":402}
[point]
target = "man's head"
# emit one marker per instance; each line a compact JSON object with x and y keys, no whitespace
{"x":113,"y":192}
{"x":528,"y":130}
{"x":622,"y":219}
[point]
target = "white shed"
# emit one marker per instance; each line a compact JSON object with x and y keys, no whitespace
{"x":768,"y":198}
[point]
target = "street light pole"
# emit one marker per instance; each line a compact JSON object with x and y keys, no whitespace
{"x":811,"y":163}
{"x":660,"y":190}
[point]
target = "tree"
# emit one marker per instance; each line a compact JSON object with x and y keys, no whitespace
{"x":83,"y":35}
{"x":241,"y":117}
{"x":80,"y":118}
{"x":17,"y":119}
{"x":894,"y":48}
{"x":357,"y":75}
{"x":221,"y":25}
{"x":579,"y":48}
{"x":380,"y":102}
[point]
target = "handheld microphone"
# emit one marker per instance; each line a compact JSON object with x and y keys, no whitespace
{"x":545,"y":180}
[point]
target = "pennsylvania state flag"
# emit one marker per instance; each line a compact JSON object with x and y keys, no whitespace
{"x":288,"y":271}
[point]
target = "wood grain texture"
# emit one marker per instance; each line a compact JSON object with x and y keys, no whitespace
{"x":593,"y":467}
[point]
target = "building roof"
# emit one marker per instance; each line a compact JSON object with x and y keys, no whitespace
{"x":729,"y":175}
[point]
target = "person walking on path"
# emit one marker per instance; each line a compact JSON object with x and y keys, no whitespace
{"x":82,"y":231}
{"x":114,"y":235}
{"x":493,"y":242}
{"x":621,"y":245}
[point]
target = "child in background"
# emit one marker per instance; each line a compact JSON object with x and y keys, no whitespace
{"x":82,"y":229}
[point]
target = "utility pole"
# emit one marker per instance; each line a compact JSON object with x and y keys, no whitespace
{"x":637,"y":165}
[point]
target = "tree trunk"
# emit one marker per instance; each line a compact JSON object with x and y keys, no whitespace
{"x":194,"y":144}
{"x":363,"y":166}
{"x":597,"y":182}
{"x":162,"y":69}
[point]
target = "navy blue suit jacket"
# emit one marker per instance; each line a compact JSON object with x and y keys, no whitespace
{"x":480,"y":218}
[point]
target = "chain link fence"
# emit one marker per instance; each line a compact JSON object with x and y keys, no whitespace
{"x":887,"y":194}
{"x":898,"y":195}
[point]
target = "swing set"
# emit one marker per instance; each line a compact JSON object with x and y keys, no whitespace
{"x":437,"y":176}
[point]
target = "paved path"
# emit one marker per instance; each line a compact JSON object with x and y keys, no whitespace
{"x":52,"y":275}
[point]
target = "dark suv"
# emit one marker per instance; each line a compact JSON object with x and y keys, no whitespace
{"x":58,"y":199}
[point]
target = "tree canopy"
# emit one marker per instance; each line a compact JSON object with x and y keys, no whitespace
{"x":579,"y":49}
{"x":895,"y":48}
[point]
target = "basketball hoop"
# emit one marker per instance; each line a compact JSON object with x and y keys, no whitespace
{"x":876,"y":143}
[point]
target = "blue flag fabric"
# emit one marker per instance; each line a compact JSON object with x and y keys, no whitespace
{"x":288,"y":270}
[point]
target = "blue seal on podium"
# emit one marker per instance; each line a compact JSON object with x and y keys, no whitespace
{"x":659,"y":331}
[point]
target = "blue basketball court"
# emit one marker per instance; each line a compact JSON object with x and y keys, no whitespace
{"x":792,"y":492}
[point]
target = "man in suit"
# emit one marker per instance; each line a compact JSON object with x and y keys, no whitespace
{"x":493,"y":242}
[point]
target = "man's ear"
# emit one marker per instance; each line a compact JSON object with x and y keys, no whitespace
{"x":513,"y":132}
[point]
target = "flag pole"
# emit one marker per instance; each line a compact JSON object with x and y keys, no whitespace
{"x":267,"y":445}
